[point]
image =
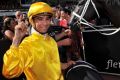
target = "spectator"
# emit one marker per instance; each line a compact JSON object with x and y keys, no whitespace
{"x":8,"y":28}
{"x":55,"y":19}
{"x":63,"y":21}
{"x":19,"y":16}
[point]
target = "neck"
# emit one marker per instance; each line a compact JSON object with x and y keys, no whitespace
{"x":43,"y":33}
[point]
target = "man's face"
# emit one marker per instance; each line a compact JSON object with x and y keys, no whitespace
{"x":42,"y":23}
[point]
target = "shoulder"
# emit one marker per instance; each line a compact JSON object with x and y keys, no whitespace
{"x":8,"y":32}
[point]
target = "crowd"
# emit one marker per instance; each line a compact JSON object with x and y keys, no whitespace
{"x":21,"y":32}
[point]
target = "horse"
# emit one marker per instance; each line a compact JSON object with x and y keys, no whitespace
{"x":92,"y":9}
{"x":86,"y":11}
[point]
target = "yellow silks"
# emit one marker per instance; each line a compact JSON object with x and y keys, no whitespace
{"x":37,"y":56}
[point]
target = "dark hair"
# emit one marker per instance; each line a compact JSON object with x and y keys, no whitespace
{"x":67,"y":11}
{"x":6,"y":23}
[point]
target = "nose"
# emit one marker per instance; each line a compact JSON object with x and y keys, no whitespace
{"x":45,"y":21}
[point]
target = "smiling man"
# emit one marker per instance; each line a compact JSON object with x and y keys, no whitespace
{"x":37,"y":55}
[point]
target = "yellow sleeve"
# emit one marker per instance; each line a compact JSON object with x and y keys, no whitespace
{"x":15,"y":60}
{"x":11,"y":60}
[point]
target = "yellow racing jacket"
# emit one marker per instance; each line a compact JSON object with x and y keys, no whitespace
{"x":37,"y":56}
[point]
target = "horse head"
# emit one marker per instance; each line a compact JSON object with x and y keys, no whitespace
{"x":92,"y":9}
{"x":112,"y":9}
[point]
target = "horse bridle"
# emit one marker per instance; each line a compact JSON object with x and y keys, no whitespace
{"x":85,"y":22}
{"x":84,"y":10}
